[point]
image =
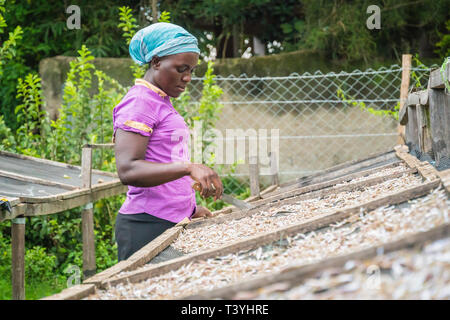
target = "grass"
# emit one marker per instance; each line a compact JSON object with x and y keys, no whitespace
{"x":34,"y":289}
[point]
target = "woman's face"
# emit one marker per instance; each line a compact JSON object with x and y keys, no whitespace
{"x":172,"y":73}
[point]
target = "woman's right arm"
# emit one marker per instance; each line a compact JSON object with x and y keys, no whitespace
{"x":133,"y":170}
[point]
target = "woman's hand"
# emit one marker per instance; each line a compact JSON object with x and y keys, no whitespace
{"x":202,"y":212}
{"x":209,"y":180}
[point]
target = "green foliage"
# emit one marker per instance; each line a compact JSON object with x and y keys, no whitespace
{"x":443,"y":45}
{"x":129,"y":28}
{"x":30,"y":136}
{"x":165,"y":17}
{"x":364,"y":107}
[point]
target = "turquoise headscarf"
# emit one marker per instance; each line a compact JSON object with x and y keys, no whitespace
{"x":161,"y":39}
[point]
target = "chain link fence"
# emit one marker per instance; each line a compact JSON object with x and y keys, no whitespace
{"x":319,"y":120}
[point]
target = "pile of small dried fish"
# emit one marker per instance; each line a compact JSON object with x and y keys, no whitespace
{"x":406,"y":274}
{"x":383,"y":225}
{"x":212,"y":236}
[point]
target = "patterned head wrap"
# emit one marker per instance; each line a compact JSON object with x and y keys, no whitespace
{"x":161,"y":39}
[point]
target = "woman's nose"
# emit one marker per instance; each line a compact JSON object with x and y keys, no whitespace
{"x":186,"y":77}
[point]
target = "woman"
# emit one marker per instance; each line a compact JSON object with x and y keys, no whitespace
{"x":151,"y":141}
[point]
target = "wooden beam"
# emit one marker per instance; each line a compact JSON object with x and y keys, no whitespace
{"x":18,"y":258}
{"x":268,"y":237}
{"x":439,"y":103}
{"x":436,"y":81}
{"x":322,"y":185}
{"x":423,"y":124}
{"x":360,"y":165}
{"x":296,"y":275}
{"x":425,"y":169}
{"x":99,"y":145}
{"x":36,"y":180}
{"x":404,"y":87}
{"x":87,"y":217}
{"x":139,"y":258}
{"x":445,"y":178}
{"x":253,"y":167}
{"x":293,"y":198}
{"x":274,"y":168}
{"x":76,"y":292}
{"x":357,"y":163}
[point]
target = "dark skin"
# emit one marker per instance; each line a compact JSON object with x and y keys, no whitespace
{"x":171,"y":74}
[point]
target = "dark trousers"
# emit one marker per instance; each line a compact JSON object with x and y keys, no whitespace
{"x":134,"y":231}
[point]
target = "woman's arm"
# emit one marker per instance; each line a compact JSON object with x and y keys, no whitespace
{"x":135,"y":171}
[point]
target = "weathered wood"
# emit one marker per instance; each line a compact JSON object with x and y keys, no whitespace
{"x":76,"y":292}
{"x":35,"y":180}
{"x":423,"y":125}
{"x":55,"y":163}
{"x":87,"y":217}
{"x":436,"y":81}
{"x":440,"y":124}
{"x":411,"y":130}
{"x":275,"y":179}
{"x":356,"y":163}
{"x":296,"y":275}
{"x":99,"y":145}
{"x":293,"y":198}
{"x":268,"y":190}
{"x":18,"y":258}
{"x":74,"y":193}
{"x":254,"y":176}
{"x":140,"y":257}
{"x":425,"y":169}
{"x":268,"y":237}
{"x":406,"y":71}
{"x":445,"y":178}
{"x":281,"y":192}
{"x":360,"y":165}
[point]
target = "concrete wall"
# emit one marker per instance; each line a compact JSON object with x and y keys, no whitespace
{"x":53,"y":71}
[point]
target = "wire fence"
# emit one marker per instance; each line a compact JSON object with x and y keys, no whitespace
{"x":313,"y":121}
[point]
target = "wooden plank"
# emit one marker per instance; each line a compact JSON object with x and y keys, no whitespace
{"x":275,"y":179}
{"x":139,"y":258}
{"x":36,"y":209}
{"x":268,"y":237}
{"x":99,"y":145}
{"x":35,"y":180}
{"x":54,"y":163}
{"x":436,"y":81}
{"x":404,"y":87}
{"x":355,"y":163}
{"x":296,"y":275}
{"x":440,"y":124}
{"x":87,"y":217}
{"x":423,"y":125}
{"x":411,"y":129}
{"x":445,"y":178}
{"x":281,"y":192}
{"x":361,"y":165}
{"x":73,"y":194}
{"x":76,"y":292}
{"x":292,"y":197}
{"x":253,"y":168}
{"x":18,"y":258}
{"x":425,"y":169}
{"x":268,"y":190}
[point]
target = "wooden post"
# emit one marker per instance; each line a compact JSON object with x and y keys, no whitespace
{"x":439,"y":104}
{"x":18,"y":258}
{"x":406,"y":70}
{"x":274,"y":168}
{"x":89,"y":265}
{"x":155,"y":11}
{"x":254,"y":176}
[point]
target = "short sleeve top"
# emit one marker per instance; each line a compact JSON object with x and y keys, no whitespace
{"x":147,"y":110}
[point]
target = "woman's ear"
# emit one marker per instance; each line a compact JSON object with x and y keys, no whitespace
{"x":155,"y":63}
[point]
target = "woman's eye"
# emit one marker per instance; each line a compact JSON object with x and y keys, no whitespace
{"x":181,"y":70}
